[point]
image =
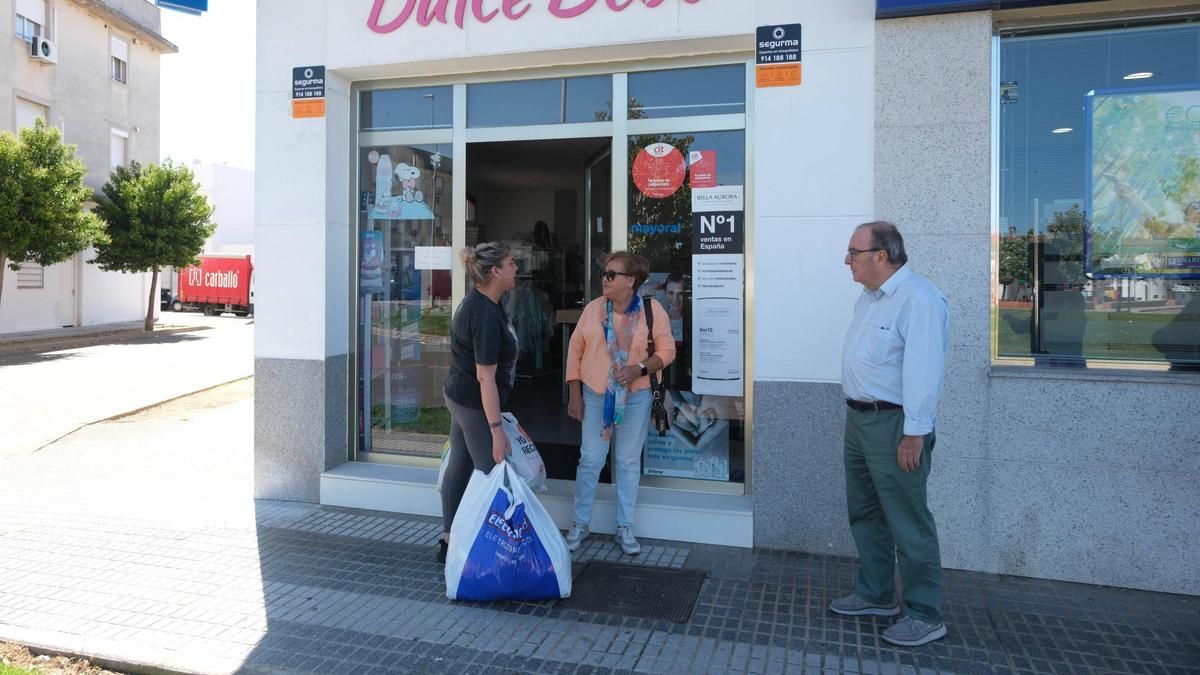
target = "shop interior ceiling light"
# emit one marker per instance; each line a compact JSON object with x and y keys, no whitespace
{"x":1144,"y":75}
{"x":1062,"y":130}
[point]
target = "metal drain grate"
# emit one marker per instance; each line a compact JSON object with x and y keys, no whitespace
{"x":636,"y":591}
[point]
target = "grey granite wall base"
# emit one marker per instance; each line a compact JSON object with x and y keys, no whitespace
{"x":799,"y":489}
{"x":299,"y":425}
{"x":1094,"y":481}
{"x":337,"y":407}
{"x":1062,"y":475}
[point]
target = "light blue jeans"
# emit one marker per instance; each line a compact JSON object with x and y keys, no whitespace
{"x":629,"y":437}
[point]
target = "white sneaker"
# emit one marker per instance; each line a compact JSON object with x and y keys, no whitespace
{"x":627,"y":542}
{"x":576,"y":535}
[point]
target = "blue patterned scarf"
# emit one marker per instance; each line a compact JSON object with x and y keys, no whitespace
{"x":614,"y":394}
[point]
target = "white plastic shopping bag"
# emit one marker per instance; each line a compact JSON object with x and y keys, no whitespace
{"x":503,"y":544}
{"x":525,"y":457}
{"x":442,"y":466}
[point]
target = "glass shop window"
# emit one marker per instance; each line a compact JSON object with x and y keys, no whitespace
{"x":553,"y":101}
{"x":1099,"y":242}
{"x":687,"y":92}
{"x":686,"y":212}
{"x":411,"y":108}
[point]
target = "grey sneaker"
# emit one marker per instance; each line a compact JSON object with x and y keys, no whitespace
{"x":852,"y":605}
{"x":626,"y":540}
{"x":576,"y":535}
{"x":910,"y":632}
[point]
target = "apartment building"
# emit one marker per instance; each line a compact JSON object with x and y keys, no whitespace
{"x":91,"y":69}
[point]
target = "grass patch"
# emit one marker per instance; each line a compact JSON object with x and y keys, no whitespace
{"x":430,"y":420}
{"x":17,"y":660}
{"x":1103,"y":334}
{"x":435,"y":323}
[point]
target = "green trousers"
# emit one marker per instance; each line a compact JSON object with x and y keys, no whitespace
{"x":889,"y":517}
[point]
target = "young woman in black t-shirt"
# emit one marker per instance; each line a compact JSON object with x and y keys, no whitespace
{"x":483,"y":367}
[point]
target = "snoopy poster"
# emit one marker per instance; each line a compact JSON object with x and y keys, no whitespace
{"x":398,"y":189}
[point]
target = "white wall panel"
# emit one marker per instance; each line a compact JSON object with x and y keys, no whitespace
{"x":289,"y":291}
{"x":815,"y":143}
{"x":29,"y":309}
{"x":806,"y":297}
{"x":289,"y":178}
{"x":827,"y":25}
{"x":290,"y":34}
{"x":113,"y":297}
{"x":352,"y":43}
{"x":813,"y":154}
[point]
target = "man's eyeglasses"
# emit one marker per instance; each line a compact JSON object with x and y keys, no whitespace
{"x":612,"y":274}
{"x":851,"y":252}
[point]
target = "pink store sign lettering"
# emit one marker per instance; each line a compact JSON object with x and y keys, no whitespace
{"x":389,"y":15}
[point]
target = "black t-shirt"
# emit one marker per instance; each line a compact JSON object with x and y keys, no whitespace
{"x":480,"y":334}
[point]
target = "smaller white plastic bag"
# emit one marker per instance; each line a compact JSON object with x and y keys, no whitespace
{"x":442,"y":466}
{"x":525,"y":458}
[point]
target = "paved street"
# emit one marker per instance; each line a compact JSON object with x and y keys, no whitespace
{"x":46,"y":394}
{"x":137,"y":542}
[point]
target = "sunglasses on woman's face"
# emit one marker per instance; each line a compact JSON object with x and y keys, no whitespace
{"x":612,"y":274}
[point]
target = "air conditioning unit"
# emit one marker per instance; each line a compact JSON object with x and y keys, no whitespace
{"x":41,"y":49}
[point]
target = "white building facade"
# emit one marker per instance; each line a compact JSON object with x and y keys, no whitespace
{"x":100,"y":87}
{"x":570,"y":128}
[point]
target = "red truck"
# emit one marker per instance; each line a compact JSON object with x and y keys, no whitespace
{"x":217,"y":285}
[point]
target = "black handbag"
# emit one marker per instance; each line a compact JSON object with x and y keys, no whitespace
{"x":658,"y":408}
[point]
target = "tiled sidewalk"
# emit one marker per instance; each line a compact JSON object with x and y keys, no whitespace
{"x":300,"y":588}
{"x":138,"y":542}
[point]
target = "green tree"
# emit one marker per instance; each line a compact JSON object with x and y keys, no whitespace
{"x":155,"y":217}
{"x":41,"y":200}
{"x":1063,"y":247}
{"x":664,"y":253}
{"x":1014,"y":259}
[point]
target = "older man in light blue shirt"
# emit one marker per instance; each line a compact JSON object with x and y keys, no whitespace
{"x":892,"y":370}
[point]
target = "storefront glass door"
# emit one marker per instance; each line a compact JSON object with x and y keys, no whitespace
{"x":537,"y":172}
{"x":404,"y":297}
{"x":548,"y":200}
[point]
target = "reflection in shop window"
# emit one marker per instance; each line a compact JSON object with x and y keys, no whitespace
{"x":687,"y":92}
{"x":549,"y":101}
{"x":674,"y":181}
{"x":408,"y":108}
{"x":1099,"y":253}
{"x":404,"y":294}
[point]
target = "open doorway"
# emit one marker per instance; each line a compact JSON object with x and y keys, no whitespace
{"x":550,"y":201}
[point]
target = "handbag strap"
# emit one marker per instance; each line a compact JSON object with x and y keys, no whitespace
{"x":654,"y":384}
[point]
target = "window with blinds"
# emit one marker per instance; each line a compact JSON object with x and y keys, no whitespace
{"x":120,"y":60}
{"x":31,"y":275}
{"x":30,"y":18}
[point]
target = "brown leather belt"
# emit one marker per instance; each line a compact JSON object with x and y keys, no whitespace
{"x":877,"y":406}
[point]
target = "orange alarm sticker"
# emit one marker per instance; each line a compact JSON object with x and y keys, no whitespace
{"x":777,"y":75}
{"x":314,"y":107}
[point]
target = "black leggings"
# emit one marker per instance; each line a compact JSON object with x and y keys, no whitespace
{"x":470,"y":449}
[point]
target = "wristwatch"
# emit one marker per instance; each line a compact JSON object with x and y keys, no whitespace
{"x":495,"y":425}
{"x":645,"y":370}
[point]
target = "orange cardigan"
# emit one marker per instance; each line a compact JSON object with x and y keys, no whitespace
{"x":587,"y":355}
